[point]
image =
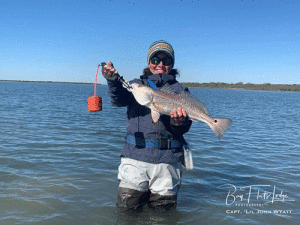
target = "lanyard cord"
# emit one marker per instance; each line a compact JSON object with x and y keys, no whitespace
{"x":152,"y":84}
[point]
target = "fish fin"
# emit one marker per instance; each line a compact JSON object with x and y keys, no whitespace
{"x":189,"y":96}
{"x":219,"y":126}
{"x":155,"y":115}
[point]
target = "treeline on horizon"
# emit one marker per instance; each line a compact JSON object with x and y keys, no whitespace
{"x":222,"y":85}
{"x":247,"y":86}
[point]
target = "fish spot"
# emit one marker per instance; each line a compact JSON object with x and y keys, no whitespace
{"x":216,"y":121}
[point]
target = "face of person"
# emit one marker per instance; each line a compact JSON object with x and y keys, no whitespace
{"x":160,"y":63}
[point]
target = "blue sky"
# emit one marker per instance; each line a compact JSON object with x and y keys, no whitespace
{"x":215,"y":41}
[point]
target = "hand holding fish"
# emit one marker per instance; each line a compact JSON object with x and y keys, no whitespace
{"x":178,"y":112}
{"x":179,"y":117}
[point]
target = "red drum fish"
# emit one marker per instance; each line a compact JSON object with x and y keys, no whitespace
{"x":165,"y":100}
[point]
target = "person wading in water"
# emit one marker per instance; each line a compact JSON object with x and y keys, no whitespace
{"x":151,"y":160}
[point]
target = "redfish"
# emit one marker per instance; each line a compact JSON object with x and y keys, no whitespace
{"x":165,"y":100}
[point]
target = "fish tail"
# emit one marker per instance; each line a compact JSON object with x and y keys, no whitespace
{"x":219,"y":126}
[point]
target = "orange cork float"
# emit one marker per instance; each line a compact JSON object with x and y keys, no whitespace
{"x":95,"y":102}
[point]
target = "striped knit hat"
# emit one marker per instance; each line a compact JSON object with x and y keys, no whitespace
{"x":160,"y":46}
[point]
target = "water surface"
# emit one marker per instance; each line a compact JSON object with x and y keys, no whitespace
{"x":58,"y":162}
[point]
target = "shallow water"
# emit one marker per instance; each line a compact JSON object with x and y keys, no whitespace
{"x":58,"y":162}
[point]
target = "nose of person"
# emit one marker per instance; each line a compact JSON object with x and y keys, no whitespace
{"x":160,"y":64}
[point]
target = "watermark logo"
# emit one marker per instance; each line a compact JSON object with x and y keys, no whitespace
{"x":254,"y":196}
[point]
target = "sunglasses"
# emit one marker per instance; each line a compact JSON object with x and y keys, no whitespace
{"x":166,"y":61}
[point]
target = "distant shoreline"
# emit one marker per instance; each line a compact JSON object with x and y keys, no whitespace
{"x":54,"y":82}
{"x":247,"y":86}
{"x":218,"y":85}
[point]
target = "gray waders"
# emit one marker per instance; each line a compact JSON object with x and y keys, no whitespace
{"x":146,"y":183}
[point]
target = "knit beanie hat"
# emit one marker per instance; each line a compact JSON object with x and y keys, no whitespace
{"x":160,"y":46}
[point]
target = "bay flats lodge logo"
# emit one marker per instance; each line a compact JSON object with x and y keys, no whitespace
{"x":254,"y":195}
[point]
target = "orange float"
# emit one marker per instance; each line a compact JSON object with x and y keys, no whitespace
{"x":95,"y":103}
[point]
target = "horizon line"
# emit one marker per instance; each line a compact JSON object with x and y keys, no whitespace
{"x":73,"y":82}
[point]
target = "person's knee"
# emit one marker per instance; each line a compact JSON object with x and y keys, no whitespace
{"x":131,"y":198}
{"x":167,"y":202}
